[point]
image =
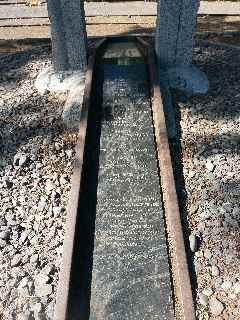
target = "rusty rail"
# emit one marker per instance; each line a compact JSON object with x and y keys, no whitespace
{"x":68,"y":247}
{"x":184,"y":306}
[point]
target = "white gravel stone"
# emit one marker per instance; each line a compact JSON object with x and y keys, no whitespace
{"x":37,"y":308}
{"x":43,"y":290}
{"x":4,"y":235}
{"x":23,"y":283}
{"x":42,"y":205}
{"x":34,"y":258}
{"x":49,"y":186}
{"x":236,"y":287}
{"x":215,"y":271}
{"x":207,"y":254}
{"x":210,"y":166}
{"x":226,"y":285}
{"x":2,"y":102}
{"x":41,"y":278}
{"x":16,"y":260}
{"x":193,"y":242}
{"x":208,"y":292}
{"x":216,"y":306}
{"x":20,"y":159}
{"x":23,"y":237}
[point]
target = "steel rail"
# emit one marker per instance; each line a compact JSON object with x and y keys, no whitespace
{"x":184,"y":305}
{"x":61,"y":308}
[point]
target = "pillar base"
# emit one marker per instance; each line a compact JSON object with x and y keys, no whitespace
{"x":50,"y":81}
{"x":72,"y":82}
{"x":188,"y":79}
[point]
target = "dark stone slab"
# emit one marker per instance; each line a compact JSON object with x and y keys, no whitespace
{"x":130,"y":277}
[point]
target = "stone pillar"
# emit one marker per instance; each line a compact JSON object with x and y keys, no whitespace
{"x":75,"y":33}
{"x":69,"y":47}
{"x":176,"y":24}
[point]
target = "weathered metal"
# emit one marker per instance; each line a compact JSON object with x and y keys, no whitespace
{"x":180,"y":273}
{"x":68,"y":247}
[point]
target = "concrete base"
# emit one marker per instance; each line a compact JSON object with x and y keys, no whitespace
{"x":49,"y":80}
{"x":71,"y":82}
{"x":188,"y":79}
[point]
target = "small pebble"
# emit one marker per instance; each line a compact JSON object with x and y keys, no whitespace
{"x":236,"y":287}
{"x":216,"y":306}
{"x":193,"y":242}
{"x":210,"y":166}
{"x":43,"y":290}
{"x":203,"y":299}
{"x":226,"y":285}
{"x":16,"y":260}
{"x":215,"y":271}
{"x":208,"y":292}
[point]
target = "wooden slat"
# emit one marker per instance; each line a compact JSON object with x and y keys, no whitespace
{"x":219,"y":8}
{"x":17,"y":2}
{"x":8,"y":12}
{"x":89,"y":20}
{"x":24,"y":22}
{"x":12,"y":2}
{"x":133,"y":8}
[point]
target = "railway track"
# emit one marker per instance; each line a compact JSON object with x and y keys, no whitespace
{"x":124,"y":255}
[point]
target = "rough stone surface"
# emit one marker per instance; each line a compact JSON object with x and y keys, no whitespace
{"x":130,"y":277}
{"x":68,"y":32}
{"x":176,"y":24}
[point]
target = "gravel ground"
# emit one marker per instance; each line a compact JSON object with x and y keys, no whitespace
{"x":35,"y":167}
{"x":210,"y":136}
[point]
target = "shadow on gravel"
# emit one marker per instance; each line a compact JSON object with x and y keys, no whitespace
{"x":222,"y":100}
{"x":12,"y":65}
{"x":37,"y":119}
{"x":226,"y":144}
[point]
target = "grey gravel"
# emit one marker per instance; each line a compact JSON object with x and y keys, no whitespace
{"x":31,"y":235}
{"x":210,"y":126}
